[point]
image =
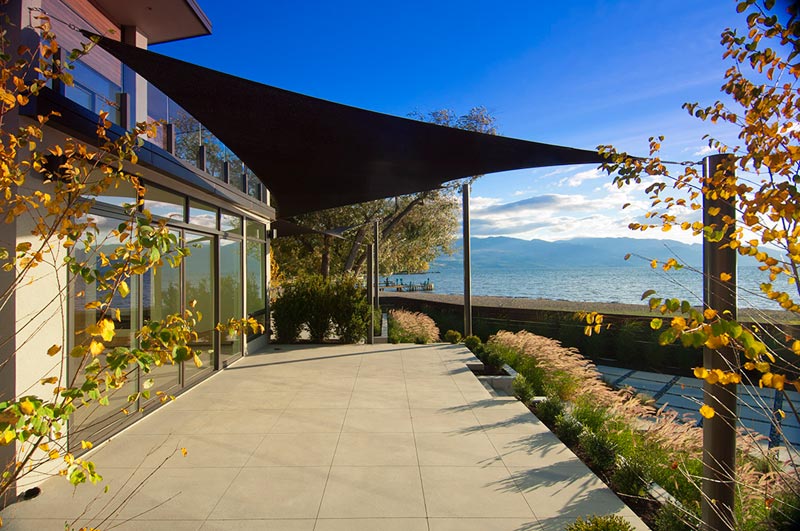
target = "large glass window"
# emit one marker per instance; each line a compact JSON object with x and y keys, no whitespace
{"x":256,"y":280}
{"x":200,"y":284}
{"x":230,"y":223}
{"x":161,"y":296}
{"x":93,"y":91}
{"x":88,"y":420}
{"x":230,"y":289}
{"x":120,"y":194}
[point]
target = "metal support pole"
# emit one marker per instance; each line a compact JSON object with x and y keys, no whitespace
{"x":376,"y":260}
{"x":467,"y":263}
{"x":124,"y":110}
{"x":719,"y":432}
{"x":226,"y":172}
{"x":201,"y":157}
{"x":371,"y":289}
{"x":169,"y":138}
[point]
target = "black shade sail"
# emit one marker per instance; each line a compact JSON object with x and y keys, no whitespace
{"x":285,"y":228}
{"x":313,"y":154}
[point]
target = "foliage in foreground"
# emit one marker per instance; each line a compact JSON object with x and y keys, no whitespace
{"x":631,"y":444}
{"x":411,"y":327}
{"x":51,"y":188}
{"x":600,"y":523}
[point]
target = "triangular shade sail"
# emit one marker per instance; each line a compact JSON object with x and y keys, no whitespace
{"x":313,"y":154}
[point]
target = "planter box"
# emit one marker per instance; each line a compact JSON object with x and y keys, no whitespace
{"x":502,"y":383}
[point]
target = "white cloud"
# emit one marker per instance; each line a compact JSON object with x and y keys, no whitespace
{"x":705,"y":150}
{"x":580,"y":177}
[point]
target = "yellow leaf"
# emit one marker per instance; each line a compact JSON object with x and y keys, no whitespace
{"x":707,"y":411}
{"x":27,"y":407}
{"x":54,"y":454}
{"x":709,"y":314}
{"x":796,"y":347}
{"x":725,"y":277}
{"x":86,"y":445}
{"x":55,"y":349}
{"x":654,"y":264}
{"x":8,"y":436}
{"x":124,"y":289}
{"x":117,"y":314}
{"x":197,"y":361}
{"x":713,"y":211}
{"x":184,"y":452}
{"x":51,"y":380}
{"x":107,"y":329}
{"x":96,"y":347}
{"x":700,"y":372}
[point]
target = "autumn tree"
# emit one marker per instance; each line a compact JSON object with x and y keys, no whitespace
{"x":48,"y":191}
{"x":759,"y":177}
{"x":414,"y":229}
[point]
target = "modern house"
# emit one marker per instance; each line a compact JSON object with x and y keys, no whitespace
{"x":209,"y":199}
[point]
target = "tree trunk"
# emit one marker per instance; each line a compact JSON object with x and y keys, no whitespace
{"x":325,"y":264}
{"x":351,"y":258}
{"x":387,"y":228}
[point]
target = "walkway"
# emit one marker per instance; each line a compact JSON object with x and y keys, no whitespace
{"x":333,"y":438}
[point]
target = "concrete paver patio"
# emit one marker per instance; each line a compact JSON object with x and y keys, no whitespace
{"x":329,"y":438}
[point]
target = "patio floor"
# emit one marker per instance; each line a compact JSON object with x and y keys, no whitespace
{"x":329,"y":438}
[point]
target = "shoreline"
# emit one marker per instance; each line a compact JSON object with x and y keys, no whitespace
{"x":560,"y":305}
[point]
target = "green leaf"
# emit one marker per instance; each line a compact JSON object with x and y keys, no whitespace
{"x":648,"y":293}
{"x":656,"y":324}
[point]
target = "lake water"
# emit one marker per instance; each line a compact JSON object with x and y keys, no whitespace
{"x":595,"y":284}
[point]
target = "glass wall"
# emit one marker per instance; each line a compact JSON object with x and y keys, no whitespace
{"x":230,"y":290}
{"x":161,"y":296}
{"x":256,"y":280}
{"x":88,"y":420}
{"x":200,"y":280}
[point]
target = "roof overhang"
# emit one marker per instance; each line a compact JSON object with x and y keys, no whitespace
{"x":160,"y":20}
{"x":313,"y":154}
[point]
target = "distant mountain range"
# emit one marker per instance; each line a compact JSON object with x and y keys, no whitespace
{"x":579,"y":252}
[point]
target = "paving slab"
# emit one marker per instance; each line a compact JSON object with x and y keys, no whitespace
{"x":330,"y":438}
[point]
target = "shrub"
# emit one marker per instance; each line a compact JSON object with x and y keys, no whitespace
{"x":452,"y":336}
{"x":318,"y":294}
{"x":548,"y":410}
{"x":289,"y":314}
{"x":350,"y":309}
{"x":610,"y":522}
{"x":599,"y":449}
{"x":590,"y":414}
{"x":671,"y":518}
{"x":568,"y":428}
{"x":630,"y":478}
{"x":472,"y":342}
{"x":492,"y":362}
{"x":522,"y":389}
{"x":411,"y":327}
{"x":377,"y":321}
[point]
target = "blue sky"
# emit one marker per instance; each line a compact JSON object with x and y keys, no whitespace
{"x":580,"y":73}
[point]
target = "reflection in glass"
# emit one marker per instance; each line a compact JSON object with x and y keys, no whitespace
{"x":199,"y":281}
{"x":120,"y":194}
{"x":257,"y":230}
{"x":230,"y":289}
{"x":202,"y":214}
{"x":87,"y":420}
{"x":161,"y":296}
{"x":163,"y":203}
{"x":230,"y":223}
{"x":256,"y":280}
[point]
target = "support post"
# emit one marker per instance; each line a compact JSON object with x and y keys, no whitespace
{"x":226,"y":172}
{"x":376,"y":264}
{"x":719,"y":432}
{"x":371,"y":288}
{"x":201,"y":157}
{"x":467,"y":262}
{"x":169,"y":138}
{"x":124,"y":110}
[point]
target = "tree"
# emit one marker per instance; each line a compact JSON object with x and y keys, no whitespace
{"x":50,"y":189}
{"x":414,"y":229}
{"x":762,"y":101}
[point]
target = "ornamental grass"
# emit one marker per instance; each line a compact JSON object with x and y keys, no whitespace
{"x":665,"y":448}
{"x":412,"y":327}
